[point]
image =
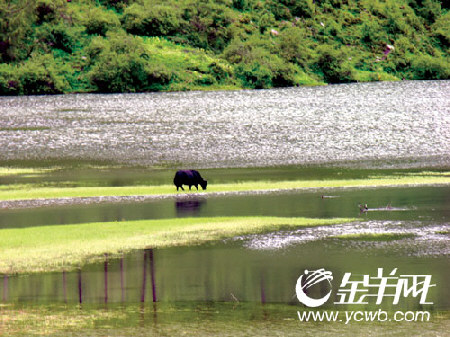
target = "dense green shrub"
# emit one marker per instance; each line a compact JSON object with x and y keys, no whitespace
{"x":254,"y":75}
{"x":59,"y":46}
{"x":207,"y":24}
{"x":256,"y":67}
{"x":441,"y":31}
{"x":98,"y":21}
{"x":333,"y":64}
{"x":116,"y":4}
{"x":121,"y":63}
{"x":9,"y":83}
{"x":128,"y":73}
{"x":41,"y":75}
{"x":156,"y":20}
{"x":55,"y":37}
{"x":47,"y":10}
{"x":430,"y":10}
{"x":16,"y":31}
{"x":426,"y":67}
{"x":373,"y":33}
{"x":220,"y":72}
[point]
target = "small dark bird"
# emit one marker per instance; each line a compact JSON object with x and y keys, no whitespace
{"x":362,"y":208}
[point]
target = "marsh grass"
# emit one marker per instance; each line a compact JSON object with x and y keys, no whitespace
{"x":375,"y":236}
{"x":59,"y":247}
{"x":13,"y":171}
{"x":31,"y":191}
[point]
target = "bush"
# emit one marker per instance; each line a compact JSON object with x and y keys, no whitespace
{"x":122,"y":64}
{"x":127,"y":73}
{"x":425,"y":67}
{"x":116,"y":4}
{"x":40,"y":75}
{"x":220,"y":72}
{"x":152,"y":21}
{"x":47,"y":11}
{"x":372,"y":33}
{"x":55,"y":37}
{"x":294,"y":46}
{"x":257,"y":67}
{"x":254,"y":75}
{"x":441,"y":30}
{"x":303,"y":9}
{"x":333,"y":65}
{"x":430,"y":10}
{"x":98,"y":21}
{"x":9,"y":83}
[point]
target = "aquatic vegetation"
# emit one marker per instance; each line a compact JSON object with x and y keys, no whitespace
{"x":375,"y":236}
{"x":57,"y":247}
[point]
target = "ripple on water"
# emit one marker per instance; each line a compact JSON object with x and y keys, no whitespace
{"x":371,"y":121}
{"x":419,"y":238}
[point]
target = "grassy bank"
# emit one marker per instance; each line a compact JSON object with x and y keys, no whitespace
{"x":58,"y":247}
{"x":30,"y":191}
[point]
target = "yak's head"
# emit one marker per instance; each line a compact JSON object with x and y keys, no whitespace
{"x":203,"y":184}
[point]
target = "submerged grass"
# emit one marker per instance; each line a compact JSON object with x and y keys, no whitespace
{"x":58,"y":247}
{"x":12,"y":171}
{"x":375,"y":236}
{"x":30,"y":191}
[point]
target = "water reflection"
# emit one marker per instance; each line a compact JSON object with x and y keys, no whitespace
{"x":189,"y":207}
{"x":426,"y":203}
{"x":223,"y":272}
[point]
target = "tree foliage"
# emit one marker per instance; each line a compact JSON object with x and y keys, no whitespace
{"x":138,"y":45}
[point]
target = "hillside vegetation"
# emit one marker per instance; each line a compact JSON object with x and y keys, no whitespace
{"x":61,"y":46}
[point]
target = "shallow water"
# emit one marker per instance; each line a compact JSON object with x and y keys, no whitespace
{"x":428,"y":203}
{"x":252,"y":268}
{"x":230,"y":271}
{"x":248,"y":280}
{"x":406,"y":123}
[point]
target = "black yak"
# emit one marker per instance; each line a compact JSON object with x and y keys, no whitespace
{"x":190,"y":178}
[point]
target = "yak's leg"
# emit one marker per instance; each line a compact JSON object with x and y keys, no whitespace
{"x":196,"y":186}
{"x":190,"y":187}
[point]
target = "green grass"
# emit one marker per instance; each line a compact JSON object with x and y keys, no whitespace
{"x":13,"y":171}
{"x":24,"y":191}
{"x":58,"y":247}
{"x":375,"y":236}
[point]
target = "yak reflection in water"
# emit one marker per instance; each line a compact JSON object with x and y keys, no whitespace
{"x":189,"y":207}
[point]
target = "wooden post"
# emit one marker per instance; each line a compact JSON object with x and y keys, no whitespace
{"x":152,"y":274}
{"x":144,"y":281}
{"x":106,"y":277}
{"x":122,"y":280}
{"x":64,"y":280}
{"x":80,"y":294}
